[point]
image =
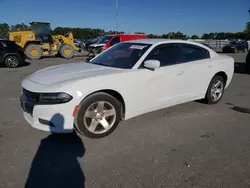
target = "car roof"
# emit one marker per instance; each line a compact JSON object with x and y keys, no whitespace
{"x":160,"y":41}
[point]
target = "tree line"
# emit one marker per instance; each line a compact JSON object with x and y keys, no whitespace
{"x":89,"y":33}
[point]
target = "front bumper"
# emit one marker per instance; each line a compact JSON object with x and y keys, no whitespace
{"x":52,"y":118}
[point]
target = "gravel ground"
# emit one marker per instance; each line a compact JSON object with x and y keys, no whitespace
{"x":189,"y":145}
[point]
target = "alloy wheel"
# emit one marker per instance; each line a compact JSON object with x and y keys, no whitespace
{"x":100,"y":117}
{"x":217,"y":90}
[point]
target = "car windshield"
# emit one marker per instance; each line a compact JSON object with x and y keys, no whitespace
{"x":103,"y":39}
{"x":122,"y":55}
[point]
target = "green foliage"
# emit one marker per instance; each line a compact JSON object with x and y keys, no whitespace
{"x":247,"y":29}
{"x":194,"y":37}
{"x":19,"y":27}
{"x":4,"y":29}
{"x":88,"y":33}
{"x":79,"y":33}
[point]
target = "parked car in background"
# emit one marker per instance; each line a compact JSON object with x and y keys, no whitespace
{"x":122,"y":38}
{"x":87,"y":43}
{"x":235,"y":47}
{"x":97,"y":46}
{"x":11,"y":55}
{"x":125,"y":81}
{"x":77,"y":43}
{"x":110,"y":40}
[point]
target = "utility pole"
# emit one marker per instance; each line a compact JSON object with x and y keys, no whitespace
{"x":116,"y":15}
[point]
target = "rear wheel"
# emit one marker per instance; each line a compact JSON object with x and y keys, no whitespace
{"x":215,"y":90}
{"x":98,"y":115}
{"x":12,"y":62}
{"x":66,"y":51}
{"x":33,"y":51}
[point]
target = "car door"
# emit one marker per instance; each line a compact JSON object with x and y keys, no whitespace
{"x":198,"y":70}
{"x":161,"y":87}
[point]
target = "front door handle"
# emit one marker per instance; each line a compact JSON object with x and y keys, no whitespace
{"x":180,"y":73}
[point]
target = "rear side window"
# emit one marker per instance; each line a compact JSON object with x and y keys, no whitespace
{"x":194,"y":53}
{"x":1,"y":45}
{"x":114,"y":41}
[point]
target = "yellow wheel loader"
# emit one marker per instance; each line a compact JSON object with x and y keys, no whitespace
{"x":39,"y":42}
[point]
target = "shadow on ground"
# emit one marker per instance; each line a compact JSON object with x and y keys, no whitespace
{"x":241,"y":109}
{"x":55,"y":164}
{"x":26,"y":63}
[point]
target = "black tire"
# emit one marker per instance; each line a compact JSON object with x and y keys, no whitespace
{"x":208,"y":99}
{"x":31,"y":47}
{"x":63,"y":52}
{"x":80,"y":125}
{"x":12,"y":61}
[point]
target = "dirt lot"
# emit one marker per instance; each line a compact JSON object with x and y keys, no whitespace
{"x":190,"y":145}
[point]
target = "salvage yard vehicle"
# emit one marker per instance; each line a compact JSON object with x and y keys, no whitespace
{"x":235,"y":47}
{"x":129,"y":79}
{"x":11,"y":55}
{"x":106,"y":42}
{"x":97,"y":46}
{"x":39,"y":42}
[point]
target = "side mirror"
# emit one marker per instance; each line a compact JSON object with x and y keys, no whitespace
{"x":152,"y":64}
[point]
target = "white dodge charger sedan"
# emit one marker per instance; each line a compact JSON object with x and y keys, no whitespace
{"x":127,"y":80}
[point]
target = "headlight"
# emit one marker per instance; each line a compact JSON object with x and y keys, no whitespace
{"x":54,"y":98}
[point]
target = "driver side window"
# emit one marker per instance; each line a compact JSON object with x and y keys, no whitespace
{"x":167,"y":54}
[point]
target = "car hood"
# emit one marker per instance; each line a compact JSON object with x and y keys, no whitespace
{"x":66,"y":72}
{"x":97,"y":45}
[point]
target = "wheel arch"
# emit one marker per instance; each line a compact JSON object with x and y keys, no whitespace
{"x":8,"y":55}
{"x":223,"y":75}
{"x":114,"y":94}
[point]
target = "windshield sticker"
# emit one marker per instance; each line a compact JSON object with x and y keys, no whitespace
{"x":137,"y":47}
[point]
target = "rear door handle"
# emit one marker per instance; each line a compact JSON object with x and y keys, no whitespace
{"x":180,"y":73}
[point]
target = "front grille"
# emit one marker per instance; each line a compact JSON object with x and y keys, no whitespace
{"x":31,"y":95}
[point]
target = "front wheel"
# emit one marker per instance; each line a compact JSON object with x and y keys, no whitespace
{"x":98,"y":115}
{"x":12,"y":62}
{"x":215,"y":90}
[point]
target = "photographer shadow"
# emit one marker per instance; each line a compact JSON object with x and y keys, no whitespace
{"x":55,"y":163}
